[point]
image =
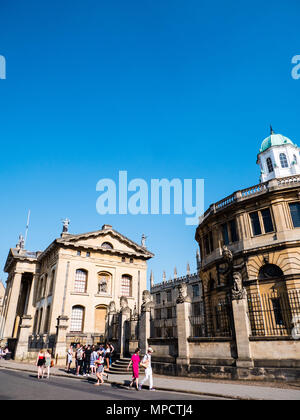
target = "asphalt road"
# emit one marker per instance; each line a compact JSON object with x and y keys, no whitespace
{"x":16,"y":385}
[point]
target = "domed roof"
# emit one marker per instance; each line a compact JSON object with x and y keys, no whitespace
{"x":274,"y":140}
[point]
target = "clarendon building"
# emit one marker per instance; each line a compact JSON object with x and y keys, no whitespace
{"x":68,"y":293}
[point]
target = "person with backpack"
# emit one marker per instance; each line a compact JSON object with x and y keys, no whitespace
{"x":146,"y":363}
{"x":100,"y":369}
{"x":79,"y":359}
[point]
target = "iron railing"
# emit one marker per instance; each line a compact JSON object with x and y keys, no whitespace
{"x":274,"y":314}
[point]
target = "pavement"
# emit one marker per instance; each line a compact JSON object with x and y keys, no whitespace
{"x":180,"y":385}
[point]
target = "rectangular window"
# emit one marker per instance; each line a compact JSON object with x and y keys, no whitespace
{"x":256,"y":229}
{"x":126,"y":286}
{"x":225,"y":234}
{"x":88,"y":254}
{"x":196,"y":290}
{"x":158,"y":298}
{"x":295,"y":213}
{"x":196,"y":309}
{"x":169,"y":296}
{"x":277,"y":311}
{"x":267,"y":220}
{"x":211,"y":241}
{"x":206,"y":244}
{"x":169,"y":313}
{"x":157,"y":314}
{"x":233,"y":231}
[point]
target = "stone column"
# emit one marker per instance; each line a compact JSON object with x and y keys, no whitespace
{"x":183,"y":312}
{"x":124,"y":316}
{"x":30,"y":309}
{"x":25,"y":330}
{"x":12,"y":305}
{"x":241,"y":323}
{"x":145,"y":321}
{"x":61,"y":341}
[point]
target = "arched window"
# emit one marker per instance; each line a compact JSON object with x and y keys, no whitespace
{"x":283,"y":160}
{"x":295,"y":160}
{"x":126,"y":285}
{"x":107,"y":245}
{"x":77,"y":319}
{"x":47,"y":320}
{"x":104,"y":282}
{"x":80,"y":281}
{"x":269,"y":271}
{"x":270,"y":165}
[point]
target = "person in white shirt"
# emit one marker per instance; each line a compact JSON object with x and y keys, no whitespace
{"x":146,"y":362}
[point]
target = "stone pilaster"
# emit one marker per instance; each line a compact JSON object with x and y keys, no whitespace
{"x":242,"y":331}
{"x":25,"y":331}
{"x":144,"y":330}
{"x":12,"y":305}
{"x":183,"y":312}
{"x":61,"y":339}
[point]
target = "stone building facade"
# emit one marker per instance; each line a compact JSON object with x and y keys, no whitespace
{"x":71,"y":291}
{"x":2,"y":293}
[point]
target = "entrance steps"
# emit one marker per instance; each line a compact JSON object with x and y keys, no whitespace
{"x":120,"y":366}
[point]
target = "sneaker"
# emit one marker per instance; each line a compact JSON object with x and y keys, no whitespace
{"x":152,"y":389}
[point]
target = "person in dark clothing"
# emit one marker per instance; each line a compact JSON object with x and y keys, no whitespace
{"x":87,"y":360}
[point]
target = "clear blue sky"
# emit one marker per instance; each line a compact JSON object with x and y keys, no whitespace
{"x":163,"y":88}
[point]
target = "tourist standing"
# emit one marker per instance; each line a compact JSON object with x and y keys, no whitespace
{"x":135,"y":361}
{"x":40,"y":362}
{"x":69,"y":358}
{"x":93,"y":360}
{"x":146,"y":363}
{"x":87,"y":361}
{"x":47,"y":365}
{"x":107,"y":355}
{"x":79,"y":359}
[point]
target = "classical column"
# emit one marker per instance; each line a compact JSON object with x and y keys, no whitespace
{"x":29,"y":307}
{"x":183,"y":311}
{"x":61,"y":342}
{"x":12,"y":304}
{"x":145,"y":322}
{"x":25,"y":331}
{"x":241,"y":322}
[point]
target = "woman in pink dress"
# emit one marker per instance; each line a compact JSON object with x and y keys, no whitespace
{"x":135,"y":361}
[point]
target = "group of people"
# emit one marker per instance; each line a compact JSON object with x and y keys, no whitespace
{"x":90,"y":360}
{"x":44,"y":362}
{"x":3,"y":352}
{"x":136,"y":363}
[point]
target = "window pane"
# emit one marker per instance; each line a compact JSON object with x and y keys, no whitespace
{"x":233,"y":231}
{"x":80,"y":281}
{"x":255,"y":223}
{"x":283,"y":160}
{"x":126,"y":286}
{"x":196,"y":290}
{"x":270,"y":165}
{"x":295,"y":213}
{"x":225,"y":234}
{"x":267,"y":219}
{"x":76,"y":319}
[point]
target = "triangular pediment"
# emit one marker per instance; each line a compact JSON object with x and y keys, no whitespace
{"x":107,"y":240}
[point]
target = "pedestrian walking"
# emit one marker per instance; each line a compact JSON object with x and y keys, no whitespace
{"x":47,"y":366}
{"x":93,"y":360}
{"x":146,"y":363}
{"x":135,"y":361}
{"x":69,"y":358}
{"x":40,"y":362}
{"x":100,"y":369}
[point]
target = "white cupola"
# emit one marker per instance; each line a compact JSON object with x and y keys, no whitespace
{"x":278,"y":157}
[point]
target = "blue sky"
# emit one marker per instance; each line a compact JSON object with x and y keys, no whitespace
{"x":183,"y":89}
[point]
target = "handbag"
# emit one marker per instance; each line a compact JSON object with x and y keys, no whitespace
{"x":52,"y":363}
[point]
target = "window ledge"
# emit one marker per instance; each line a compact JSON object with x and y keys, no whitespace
{"x":79,"y":294}
{"x":106,"y":295}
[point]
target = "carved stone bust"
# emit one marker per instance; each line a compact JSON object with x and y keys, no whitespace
{"x":182,"y":293}
{"x":238,"y":291}
{"x":146,"y":305}
{"x":112,"y":307}
{"x":123,"y":302}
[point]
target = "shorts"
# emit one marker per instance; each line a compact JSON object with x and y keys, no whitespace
{"x":100,"y":369}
